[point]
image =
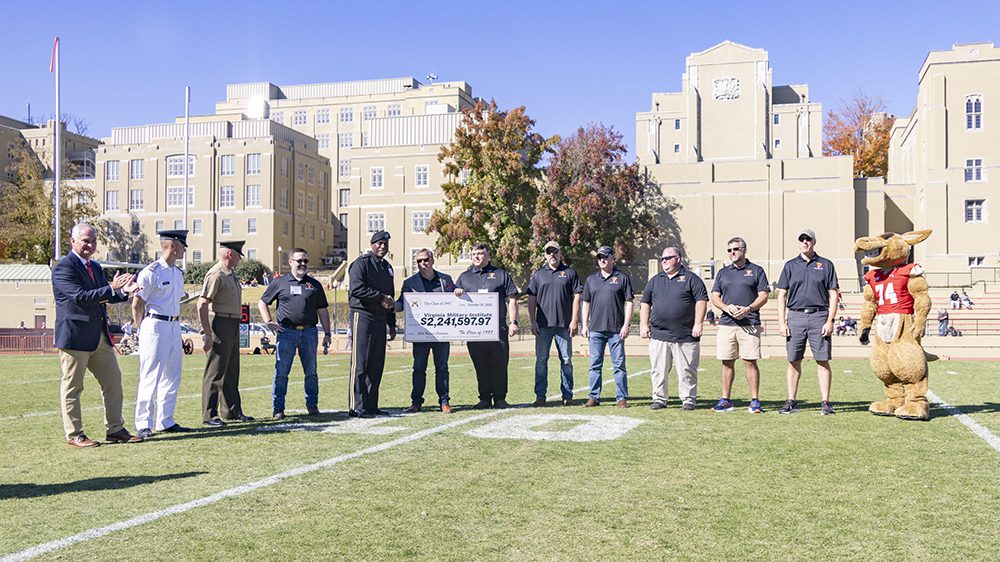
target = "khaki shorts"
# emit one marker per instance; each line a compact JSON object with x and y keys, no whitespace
{"x":737,"y":342}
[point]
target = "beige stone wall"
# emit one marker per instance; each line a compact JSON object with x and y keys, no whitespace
{"x":25,"y":301}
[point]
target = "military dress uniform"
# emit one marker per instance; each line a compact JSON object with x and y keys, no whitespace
{"x":222,"y":370}
{"x":370,"y":281}
{"x":161,"y":286}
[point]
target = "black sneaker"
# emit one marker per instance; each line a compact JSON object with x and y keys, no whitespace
{"x":657,"y":405}
{"x":278,"y":415}
{"x":688,"y":406}
{"x":312,"y":410}
{"x":790,"y":407}
{"x":827,"y":409}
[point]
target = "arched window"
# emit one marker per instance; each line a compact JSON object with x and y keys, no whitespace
{"x":974,"y":112}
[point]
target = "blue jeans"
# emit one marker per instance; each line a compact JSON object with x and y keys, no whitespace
{"x":421,"y":351}
{"x":543,"y":343}
{"x":288,"y":341}
{"x":614,"y":341}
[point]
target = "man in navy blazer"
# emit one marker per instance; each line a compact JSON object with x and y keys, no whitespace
{"x":427,"y":280}
{"x":82,"y":292}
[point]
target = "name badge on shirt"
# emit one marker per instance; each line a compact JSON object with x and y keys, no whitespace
{"x":164,"y":283}
{"x":483,"y":291}
{"x":295,"y":289}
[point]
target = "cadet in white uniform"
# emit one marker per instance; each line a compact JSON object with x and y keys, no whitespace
{"x":155,"y":312}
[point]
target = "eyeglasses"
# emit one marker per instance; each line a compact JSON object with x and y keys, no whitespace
{"x":301,"y":262}
{"x":550,"y":251}
{"x":731,"y":250}
{"x":600,"y":257}
{"x":668,"y":258}
{"x":423,"y":260}
{"x":805,"y":239}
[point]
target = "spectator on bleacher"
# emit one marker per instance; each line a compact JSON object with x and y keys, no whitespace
{"x":841,"y":326}
{"x":710,"y":317}
{"x":851,"y":326}
{"x":942,"y":319}
{"x":21,"y":326}
{"x":955,"y":302}
{"x":966,"y":301}
{"x":953,"y":332}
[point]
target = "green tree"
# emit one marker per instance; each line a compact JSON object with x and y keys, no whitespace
{"x":251,"y":269}
{"x":594,"y":198}
{"x":493,"y":185}
{"x":27,"y":213}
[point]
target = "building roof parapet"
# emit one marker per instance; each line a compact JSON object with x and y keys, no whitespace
{"x":219,"y":129}
{"x":269,"y":91}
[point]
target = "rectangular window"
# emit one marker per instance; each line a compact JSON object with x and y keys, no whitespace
{"x":157,"y":226}
{"x":135,"y":169}
{"x":312,"y":232}
{"x":322,"y":181}
{"x":974,"y":169}
{"x":422,"y":176}
{"x":376,"y":222}
{"x":368,"y":113}
{"x":419,"y":221}
{"x":345,"y":168}
{"x":284,"y":228}
{"x":111,"y":200}
{"x":323,"y":141}
{"x":777,"y":119}
{"x":284,"y":199}
{"x":178,"y":224}
{"x":135,"y":200}
{"x":251,"y":225}
{"x":465,"y":254}
{"x":227,"y":226}
{"x":346,"y":114}
{"x":251,"y":254}
{"x":377,"y":177}
{"x":394,"y":110}
{"x":323,"y":115}
{"x":974,"y":112}
{"x":346,"y":140}
{"x":345,"y":197}
{"x":311,"y":175}
{"x":284,"y":167}
{"x":136,"y":227}
{"x":311,"y":204}
{"x":302,"y":231}
{"x":975,"y":210}
{"x":175,"y":166}
{"x":227,"y":197}
{"x":413,"y":258}
{"x":677,"y":149}
{"x":322,"y":235}
{"x":343,"y":221}
{"x":322,"y":210}
{"x":300,"y":172}
{"x":196,"y":226}
{"x":364,"y":139}
{"x":299,"y":118}
{"x":175,"y":196}
{"x":976,"y":260}
{"x":253,"y":164}
{"x":278,"y":117}
{"x":677,"y":124}
{"x":253,"y":196}
{"x":300,"y":201}
{"x":111,"y":170}
{"x":196,"y":256}
{"x":227,"y":165}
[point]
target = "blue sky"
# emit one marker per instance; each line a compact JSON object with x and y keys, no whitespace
{"x":569,"y":63}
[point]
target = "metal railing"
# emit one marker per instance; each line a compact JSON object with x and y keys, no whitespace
{"x":27,"y":343}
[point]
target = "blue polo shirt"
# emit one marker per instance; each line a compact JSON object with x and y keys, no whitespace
{"x":808,"y":282}
{"x":607,"y":296}
{"x":671,"y":303}
{"x":740,"y":286}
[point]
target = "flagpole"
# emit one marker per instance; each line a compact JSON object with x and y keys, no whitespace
{"x":57,"y":164}
{"x":187,"y":166}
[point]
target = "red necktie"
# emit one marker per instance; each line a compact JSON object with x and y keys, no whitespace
{"x":90,"y":270}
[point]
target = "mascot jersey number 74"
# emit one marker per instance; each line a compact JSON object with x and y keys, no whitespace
{"x":896,"y":306}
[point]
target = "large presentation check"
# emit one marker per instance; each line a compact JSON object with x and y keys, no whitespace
{"x":439,"y":317}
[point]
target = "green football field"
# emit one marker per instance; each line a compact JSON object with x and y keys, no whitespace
{"x":553,"y":483}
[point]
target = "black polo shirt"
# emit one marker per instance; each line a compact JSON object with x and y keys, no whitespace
{"x":298,"y":301}
{"x":740,"y":286}
{"x":370,"y":280}
{"x":672,"y":302}
{"x":607,"y":296}
{"x":489,"y":279}
{"x":808,"y":282}
{"x":553,"y":290}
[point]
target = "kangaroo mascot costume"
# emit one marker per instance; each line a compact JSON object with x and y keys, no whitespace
{"x":896,"y":306}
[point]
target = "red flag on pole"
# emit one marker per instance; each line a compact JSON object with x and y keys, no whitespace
{"x":52,"y":62}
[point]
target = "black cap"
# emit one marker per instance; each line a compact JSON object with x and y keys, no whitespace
{"x":178,"y":235}
{"x":379,"y":235}
{"x":235,"y":245}
{"x":606,"y":251}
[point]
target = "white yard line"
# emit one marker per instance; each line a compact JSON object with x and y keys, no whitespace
{"x":986,"y":435}
{"x":98,"y":532}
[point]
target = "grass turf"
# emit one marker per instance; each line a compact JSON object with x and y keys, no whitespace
{"x":689,"y":485}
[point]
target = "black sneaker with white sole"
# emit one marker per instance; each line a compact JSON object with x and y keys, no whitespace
{"x":827,"y":409}
{"x":790,"y":407}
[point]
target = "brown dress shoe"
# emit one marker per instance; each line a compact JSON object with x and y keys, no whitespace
{"x":622,"y":404}
{"x":123,"y":436}
{"x":446,"y":408}
{"x":538,"y":403}
{"x":591,"y":403}
{"x":413,"y":409}
{"x":82,"y":442}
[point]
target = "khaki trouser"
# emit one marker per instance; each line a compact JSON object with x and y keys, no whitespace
{"x":684,"y":356}
{"x":104,"y":366}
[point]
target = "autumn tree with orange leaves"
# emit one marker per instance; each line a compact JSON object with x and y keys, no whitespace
{"x":860,"y":129}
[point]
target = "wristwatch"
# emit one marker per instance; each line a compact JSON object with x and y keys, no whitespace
{"x":327,"y":334}
{"x":513,"y":322}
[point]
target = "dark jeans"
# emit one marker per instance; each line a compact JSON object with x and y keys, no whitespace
{"x":421,"y":351}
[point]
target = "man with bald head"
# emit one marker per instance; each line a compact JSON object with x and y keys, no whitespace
{"x":82,"y":293}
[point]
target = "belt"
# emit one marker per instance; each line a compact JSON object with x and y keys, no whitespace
{"x":295,"y":327}
{"x":809,"y":310}
{"x":226,"y":315}
{"x":162,"y":317}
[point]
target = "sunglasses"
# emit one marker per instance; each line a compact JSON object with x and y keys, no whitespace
{"x":668,"y":258}
{"x":423,"y":260}
{"x":301,"y":262}
{"x":601,"y":257}
{"x":550,"y":251}
{"x":731,"y":250}
{"x":805,"y":239}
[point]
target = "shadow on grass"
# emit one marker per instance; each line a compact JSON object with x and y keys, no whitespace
{"x":985,"y":408}
{"x":23,"y":491}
